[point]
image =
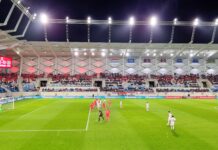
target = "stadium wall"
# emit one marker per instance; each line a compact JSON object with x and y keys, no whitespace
{"x":123,"y":65}
{"x":112,"y":95}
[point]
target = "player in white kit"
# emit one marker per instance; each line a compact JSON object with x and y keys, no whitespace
{"x":147,"y":106}
{"x":99,"y":104}
{"x":121,"y":104}
{"x":169,"y":116}
{"x":172,"y":122}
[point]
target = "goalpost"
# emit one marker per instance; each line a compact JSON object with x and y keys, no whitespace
{"x":7,"y":103}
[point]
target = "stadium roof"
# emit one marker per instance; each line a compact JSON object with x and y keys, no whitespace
{"x":13,"y":42}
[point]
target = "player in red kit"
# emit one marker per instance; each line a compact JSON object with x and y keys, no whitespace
{"x":109,"y":103}
{"x":108,"y":112}
{"x":92,"y":105}
{"x":104,"y":104}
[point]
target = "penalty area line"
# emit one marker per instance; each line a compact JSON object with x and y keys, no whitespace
{"x":87,"y":123}
{"x":66,"y":130}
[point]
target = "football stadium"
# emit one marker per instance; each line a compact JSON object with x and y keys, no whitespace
{"x":80,"y":75}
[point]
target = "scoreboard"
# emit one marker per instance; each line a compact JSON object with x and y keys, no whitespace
{"x":5,"y":62}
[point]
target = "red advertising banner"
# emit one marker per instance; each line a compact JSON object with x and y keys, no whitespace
{"x":5,"y":62}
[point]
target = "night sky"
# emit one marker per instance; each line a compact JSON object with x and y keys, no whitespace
{"x":185,"y":10}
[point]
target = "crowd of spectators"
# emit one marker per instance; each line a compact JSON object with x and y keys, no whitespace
{"x":182,"y":90}
{"x":9,"y":81}
{"x":177,"y":80}
{"x":69,"y":90}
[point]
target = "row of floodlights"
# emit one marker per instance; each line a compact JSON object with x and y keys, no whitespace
{"x":103,"y":54}
{"x":153,"y":20}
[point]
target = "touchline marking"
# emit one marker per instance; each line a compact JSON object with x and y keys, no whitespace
{"x":66,"y":130}
{"x":87,"y":124}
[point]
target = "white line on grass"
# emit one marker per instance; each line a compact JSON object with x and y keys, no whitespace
{"x":61,"y":130}
{"x":87,"y":124}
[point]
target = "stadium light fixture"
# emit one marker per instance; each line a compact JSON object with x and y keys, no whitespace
{"x":161,"y":54}
{"x":109,"y":20}
{"x":196,"y":22}
{"x":89,"y":20}
{"x":85,"y":54}
{"x":131,"y":21}
{"x":127,"y":54}
{"x":153,"y":21}
{"x":18,"y":2}
{"x":34,"y":16}
{"x":76,"y":53}
{"x":154,"y":54}
{"x":103,"y":54}
{"x":171,"y":54}
{"x":93,"y":54}
{"x":191,"y":55}
{"x":216,"y":22}
{"x":67,"y":19}
{"x":44,"y":18}
{"x":175,"y":21}
{"x":148,"y":54}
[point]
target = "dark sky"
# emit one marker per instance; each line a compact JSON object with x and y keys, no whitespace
{"x":185,"y":10}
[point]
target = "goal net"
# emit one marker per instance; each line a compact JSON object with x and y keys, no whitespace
{"x":6,"y":103}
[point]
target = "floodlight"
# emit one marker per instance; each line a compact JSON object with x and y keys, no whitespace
{"x":127,"y":54}
{"x":44,"y":18}
{"x":76,"y":53}
{"x":19,"y":2}
{"x":131,"y":21}
{"x":196,"y":22}
{"x":175,"y":21}
{"x":34,"y":16}
{"x":103,"y":54}
{"x":153,"y":21}
{"x":148,"y":54}
{"x":111,"y":54}
{"x":85,"y":53}
{"x":109,"y":20}
{"x":93,"y":54}
{"x":154,"y":54}
{"x":216,"y":22}
{"x":171,"y":54}
{"x":67,"y":19}
{"x":89,"y":20}
{"x":161,"y":54}
{"x":191,"y":55}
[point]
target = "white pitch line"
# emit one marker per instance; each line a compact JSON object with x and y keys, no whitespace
{"x":67,"y":130}
{"x":87,"y":124}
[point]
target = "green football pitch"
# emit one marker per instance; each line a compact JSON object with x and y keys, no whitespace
{"x":66,"y":124}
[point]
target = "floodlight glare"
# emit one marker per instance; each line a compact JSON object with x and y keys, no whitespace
{"x":89,"y":20}
{"x":76,"y":53}
{"x":153,"y":21}
{"x":109,"y":20}
{"x":93,"y":54}
{"x":19,"y":2}
{"x":131,"y":21}
{"x":175,"y":21}
{"x":34,"y":16}
{"x":103,"y":54}
{"x":154,"y":54}
{"x":196,"y":22}
{"x":67,"y":19}
{"x":127,"y":54}
{"x":85,"y":53}
{"x":216,"y":22}
{"x":44,"y":18}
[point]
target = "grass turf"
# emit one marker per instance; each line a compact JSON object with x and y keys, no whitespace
{"x":52,"y":124}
